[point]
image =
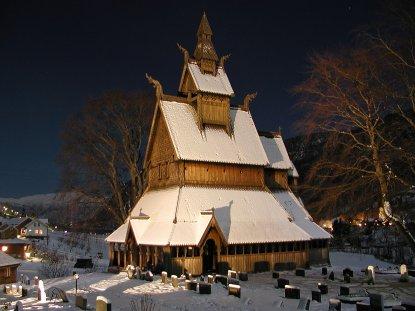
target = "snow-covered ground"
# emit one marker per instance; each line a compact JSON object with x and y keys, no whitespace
{"x":258,"y":293}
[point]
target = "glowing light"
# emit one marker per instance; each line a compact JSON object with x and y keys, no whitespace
{"x":4,"y":248}
{"x":27,"y":254}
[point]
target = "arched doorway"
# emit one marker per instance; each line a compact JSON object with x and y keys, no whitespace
{"x":210,"y":256}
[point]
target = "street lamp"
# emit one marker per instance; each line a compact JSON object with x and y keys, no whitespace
{"x":76,"y":277}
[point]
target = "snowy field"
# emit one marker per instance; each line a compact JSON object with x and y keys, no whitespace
{"x":258,"y":293}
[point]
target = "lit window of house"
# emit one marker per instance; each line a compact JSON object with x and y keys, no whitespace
{"x":40,"y":231}
{"x":8,"y":272}
{"x":4,"y":248}
{"x":36,"y":231}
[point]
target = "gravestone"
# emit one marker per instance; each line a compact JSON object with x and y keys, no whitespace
{"x":102,"y":304}
{"x":232,"y":274}
{"x":335,"y":305}
{"x":164,"y":277}
{"x":324,"y":271}
{"x":348,"y":271}
{"x":282,"y":282}
{"x":210,"y":279}
{"x":149,"y":276}
{"x":36,"y":280}
{"x":14,"y":289}
{"x":81,"y":302}
{"x":24,"y":292}
{"x":130,"y":271}
{"x":275,"y":274}
{"x":8,"y":289}
{"x":190,"y":285}
{"x":174,"y":281}
{"x":18,"y":306}
{"x":205,"y":288}
{"x":370,"y":275}
{"x":221,"y":279}
{"x":41,"y":295}
{"x":376,"y":302}
{"x":56,"y":293}
{"x":316,"y":295}
{"x":403,"y":270}
{"x":292,"y":292}
{"x":233,"y":281}
{"x":409,"y":305}
{"x":234,"y":290}
{"x":362,"y":306}
{"x":331,"y":276}
{"x":300,"y":272}
{"x":243,"y":276}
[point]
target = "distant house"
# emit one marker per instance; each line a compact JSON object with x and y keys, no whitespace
{"x":15,"y":247}
{"x":36,"y":228}
{"x":7,"y":232}
{"x":16,"y":225}
{"x":8,"y":268}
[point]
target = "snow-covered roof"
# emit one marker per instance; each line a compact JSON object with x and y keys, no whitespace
{"x":180,"y":216}
{"x":299,"y":214}
{"x":293,"y":171}
{"x":6,"y":260}
{"x":119,"y":235}
{"x":15,"y":221}
{"x":213,"y":143}
{"x":276,"y":152}
{"x":218,"y":84}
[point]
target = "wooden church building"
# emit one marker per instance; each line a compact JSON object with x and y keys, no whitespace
{"x":218,"y":192}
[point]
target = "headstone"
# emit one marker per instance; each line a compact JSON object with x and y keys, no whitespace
{"x":41,"y":295}
{"x":210,"y":279}
{"x":300,"y":272}
{"x":409,"y":305}
{"x":36,"y":280}
{"x":130,"y":271}
{"x":316,"y":295}
{"x":164,"y":277}
{"x":324,"y":289}
{"x":243,"y":276}
{"x":275,"y":274}
{"x":221,"y":279}
{"x":14,"y":289}
{"x":191,"y":285}
{"x":24,"y":292}
{"x":205,"y":288}
{"x":232,"y":274}
{"x":102,"y":304}
{"x":282,"y":282}
{"x":18,"y":306}
{"x":81,"y":302}
{"x":362,"y":306}
{"x":149,"y":276}
{"x":335,"y":304}
{"x":233,"y":281}
{"x":292,"y":292}
{"x":324,"y":271}
{"x":331,"y":276}
{"x":174,"y":281}
{"x":304,"y":304}
{"x":403,"y":270}
{"x":348,"y":271}
{"x":370,"y":275}
{"x":376,"y":302}
{"x":344,"y":291}
{"x":7,"y":289}
{"x":234,"y":290}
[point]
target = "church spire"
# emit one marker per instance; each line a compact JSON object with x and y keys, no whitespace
{"x":205,"y":53}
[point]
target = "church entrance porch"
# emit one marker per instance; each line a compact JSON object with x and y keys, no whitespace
{"x":210,"y":256}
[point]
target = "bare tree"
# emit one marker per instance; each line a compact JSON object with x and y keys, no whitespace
{"x":102,"y":152}
{"x":345,"y":96}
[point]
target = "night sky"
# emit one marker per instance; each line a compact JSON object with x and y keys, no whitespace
{"x":54,"y":55}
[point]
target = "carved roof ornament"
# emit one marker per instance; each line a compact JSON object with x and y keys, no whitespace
{"x":223,"y":59}
{"x":204,"y":47}
{"x":184,"y":52}
{"x":247,"y":101}
{"x":157,"y":85}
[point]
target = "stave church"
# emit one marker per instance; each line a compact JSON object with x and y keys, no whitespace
{"x":218,"y":192}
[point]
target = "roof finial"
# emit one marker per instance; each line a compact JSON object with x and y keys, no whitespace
{"x":157,"y":85}
{"x":204,"y":47}
{"x":247,"y":101}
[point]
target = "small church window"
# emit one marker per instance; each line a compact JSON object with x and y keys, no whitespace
{"x":261,"y":248}
{"x":223,"y":250}
{"x":247,"y":249}
{"x":181,"y":251}
{"x":254,"y":248}
{"x":231,"y":250}
{"x":283,"y":247}
{"x":239,"y":249}
{"x":189,"y":252}
{"x":290,"y":247}
{"x":269,"y":248}
{"x":276,"y":247}
{"x":196,"y":251}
